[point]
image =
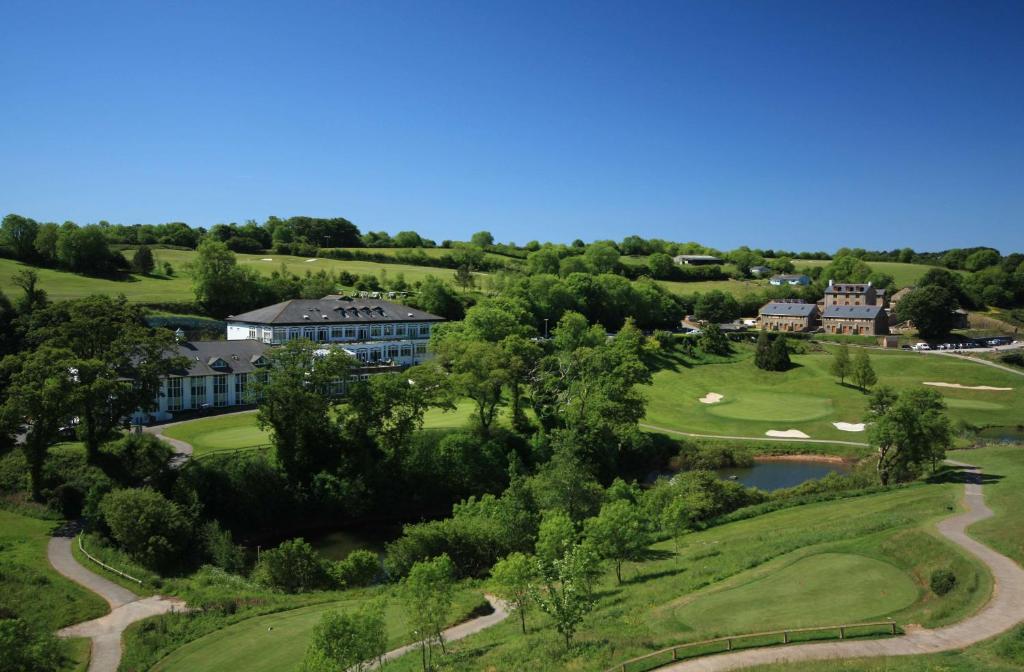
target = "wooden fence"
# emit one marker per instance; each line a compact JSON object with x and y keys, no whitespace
{"x":105,"y":565}
{"x":678,"y":652}
{"x":231,"y":451}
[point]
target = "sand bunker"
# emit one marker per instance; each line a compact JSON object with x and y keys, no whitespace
{"x":971,"y":387}
{"x":786,"y":434}
{"x":266,"y":259}
{"x":309,"y":260}
{"x":711,"y":398}
{"x":849,"y":426}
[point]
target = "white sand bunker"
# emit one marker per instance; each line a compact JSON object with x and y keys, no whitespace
{"x":849,"y":426}
{"x":266,"y":259}
{"x":970,"y":387}
{"x":711,"y":398}
{"x":786,"y":434}
{"x":309,"y":260}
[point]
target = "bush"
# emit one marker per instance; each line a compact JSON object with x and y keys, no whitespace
{"x":943,"y":581}
{"x":24,"y":649}
{"x":293,"y":567}
{"x":219,"y":548}
{"x":136,"y":459}
{"x":148,"y":526}
{"x":359,"y":569}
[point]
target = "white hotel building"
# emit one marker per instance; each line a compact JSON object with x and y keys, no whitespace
{"x":383,"y":336}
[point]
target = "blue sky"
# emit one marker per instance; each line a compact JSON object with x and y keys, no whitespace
{"x":806,"y":125}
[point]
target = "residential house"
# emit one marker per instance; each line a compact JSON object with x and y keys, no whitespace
{"x":868,"y":320}
{"x":854,"y":294}
{"x":759,"y":271}
{"x":696,"y":260}
{"x":793,"y":280}
{"x":788,"y":315}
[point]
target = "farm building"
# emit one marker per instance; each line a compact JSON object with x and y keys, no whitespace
{"x":788,"y":316}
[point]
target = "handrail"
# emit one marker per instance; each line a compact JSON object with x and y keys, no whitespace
{"x":228,"y":451}
{"x":103,"y":564}
{"x":728,"y":641}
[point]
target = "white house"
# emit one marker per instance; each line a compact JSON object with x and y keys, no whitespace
{"x":789,"y":279}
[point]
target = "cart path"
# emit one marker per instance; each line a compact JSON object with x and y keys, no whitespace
{"x":456,"y":632}
{"x":126,"y":607}
{"x":1003,"y":611}
{"x":837,"y":442}
{"x":182,"y":449}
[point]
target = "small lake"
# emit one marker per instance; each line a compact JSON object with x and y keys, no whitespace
{"x":778,"y":474}
{"x":338,"y":544}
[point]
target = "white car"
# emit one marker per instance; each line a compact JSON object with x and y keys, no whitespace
{"x":920,"y":346}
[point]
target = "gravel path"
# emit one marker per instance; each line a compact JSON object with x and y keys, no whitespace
{"x":126,"y":607}
{"x":1002,"y":612}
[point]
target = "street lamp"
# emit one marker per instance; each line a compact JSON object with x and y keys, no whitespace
{"x":545,"y":327}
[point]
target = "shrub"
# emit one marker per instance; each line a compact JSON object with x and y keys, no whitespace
{"x":293,"y":567}
{"x":24,"y":649}
{"x":220,"y":549}
{"x":943,"y":581}
{"x":136,"y":459}
{"x":151,"y":528}
{"x":359,"y":569}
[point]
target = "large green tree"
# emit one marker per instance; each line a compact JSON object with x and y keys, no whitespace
{"x":618,"y":533}
{"x":512,"y":576}
{"x":428,"y":592}
{"x":930,"y":308}
{"x":907,"y":431}
{"x":296,"y":394}
{"x":343,"y":640}
{"x":840,"y":366}
{"x":863,"y":373}
{"x":564,"y":593}
{"x":221,"y":286}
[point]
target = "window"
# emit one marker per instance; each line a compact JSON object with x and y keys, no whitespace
{"x":174,"y":394}
{"x":406,"y":351}
{"x":321,"y":335}
{"x":280,"y":336}
{"x":424,"y":330}
{"x":392,"y":351}
{"x":375,"y":354}
{"x":294,"y":333}
{"x":197,"y":389}
{"x":350,"y":332}
{"x":220,"y":390}
{"x":399,"y":330}
{"x":308,"y":333}
{"x":389,"y":329}
{"x":252,"y":333}
{"x":337,"y":333}
{"x":241,"y":381}
{"x":375,"y":331}
{"x":361,"y":354}
{"x":421,"y":348}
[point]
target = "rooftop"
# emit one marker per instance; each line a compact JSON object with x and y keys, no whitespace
{"x":210,"y":358}
{"x":852,"y":312}
{"x":334,"y":309}
{"x":788,"y":309}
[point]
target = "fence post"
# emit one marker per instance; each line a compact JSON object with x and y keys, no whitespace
{"x":674,"y":657}
{"x":893,"y":624}
{"x":842,"y":632}
{"x":729,"y":642}
{"x":785,"y":636}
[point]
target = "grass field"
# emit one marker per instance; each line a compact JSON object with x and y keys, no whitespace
{"x":904,"y":275}
{"x":61,"y":285}
{"x":1005,"y":532}
{"x":278,"y":641}
{"x":862,"y":558}
{"x":809,"y":398}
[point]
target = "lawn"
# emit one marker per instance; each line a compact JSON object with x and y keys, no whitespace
{"x":61,"y":285}
{"x":863,"y":558}
{"x":905,"y":275}
{"x":278,"y":641}
{"x":809,"y":398}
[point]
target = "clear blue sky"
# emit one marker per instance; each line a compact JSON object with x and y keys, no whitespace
{"x":806,"y":125}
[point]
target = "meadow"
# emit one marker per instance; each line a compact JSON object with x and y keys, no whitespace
{"x":904,"y":275}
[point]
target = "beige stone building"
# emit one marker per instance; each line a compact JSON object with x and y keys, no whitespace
{"x":792,"y":316}
{"x":870,"y":320}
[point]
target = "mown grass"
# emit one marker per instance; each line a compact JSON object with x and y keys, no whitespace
{"x":903,"y":274}
{"x":278,"y":641}
{"x":810,"y":399}
{"x":720,"y":581}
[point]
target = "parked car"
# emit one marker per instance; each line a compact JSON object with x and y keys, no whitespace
{"x":920,"y":346}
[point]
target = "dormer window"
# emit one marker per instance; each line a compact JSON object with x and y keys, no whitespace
{"x":217,"y":363}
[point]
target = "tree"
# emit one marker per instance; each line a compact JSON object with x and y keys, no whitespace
{"x":143,"y":261}
{"x":512,"y":576}
{"x":930,"y":309}
{"x":556,"y":535}
{"x":86,"y":250}
{"x":296,"y":395}
{"x":779,"y":355}
{"x":602,"y":258}
{"x":347,"y":641}
{"x":863,"y":373}
{"x":293,"y":567}
{"x":119,"y":362}
{"x":712,"y":341}
{"x":428,"y":592}
{"x":464,"y":277}
{"x":436,"y":297}
{"x":33,"y":296}
{"x":222,"y":287}
{"x":46,"y":242}
{"x":717,"y":307}
{"x":150,"y":527}
{"x":660,"y":265}
{"x":543,"y":261}
{"x":38,"y":394}
{"x":565,"y":593}
{"x":476,"y":369}
{"x":617,"y":533}
{"x":762,"y":354}
{"x":19,"y":233}
{"x":841,"y":366}
{"x":980,"y":259}
{"x":482,"y":239}
{"x":907,"y":430}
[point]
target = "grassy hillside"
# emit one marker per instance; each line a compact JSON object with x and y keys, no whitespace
{"x":810,"y":399}
{"x":904,"y":274}
{"x":160,"y":289}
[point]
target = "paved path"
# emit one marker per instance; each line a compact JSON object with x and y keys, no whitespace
{"x":182,"y":449}
{"x":1002,"y":612}
{"x":837,"y":442}
{"x":461,"y":630}
{"x":126,"y":607}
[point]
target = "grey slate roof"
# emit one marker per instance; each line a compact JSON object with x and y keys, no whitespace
{"x":238,"y":356}
{"x":852,"y":312}
{"x":847,"y":288}
{"x":788,"y":309}
{"x":786,"y":277}
{"x":333,"y":311}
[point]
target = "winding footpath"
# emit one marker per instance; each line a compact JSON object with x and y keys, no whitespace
{"x":1002,"y":612}
{"x":125,"y":607}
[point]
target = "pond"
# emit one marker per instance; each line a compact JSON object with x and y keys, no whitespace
{"x":771,"y":475}
{"x":336,"y":545}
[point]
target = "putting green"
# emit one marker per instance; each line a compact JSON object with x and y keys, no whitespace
{"x":819,"y":589}
{"x":772,"y":407}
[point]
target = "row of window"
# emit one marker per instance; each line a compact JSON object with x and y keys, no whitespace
{"x":324,"y":333}
{"x":198,"y":389}
{"x":392,"y":351}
